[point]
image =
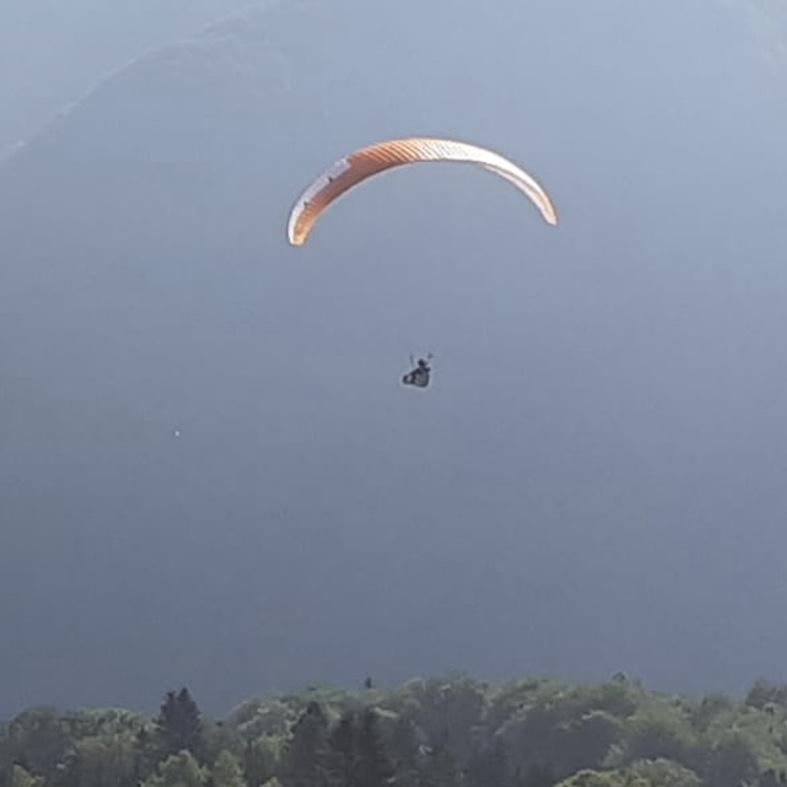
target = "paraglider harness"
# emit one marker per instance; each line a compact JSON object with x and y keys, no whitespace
{"x":418,"y":376}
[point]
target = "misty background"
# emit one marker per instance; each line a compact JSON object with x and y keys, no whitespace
{"x":595,"y":480}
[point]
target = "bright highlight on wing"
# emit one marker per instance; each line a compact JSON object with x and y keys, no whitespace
{"x":369,"y":161}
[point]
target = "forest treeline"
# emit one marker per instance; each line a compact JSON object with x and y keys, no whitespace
{"x":452,"y":732}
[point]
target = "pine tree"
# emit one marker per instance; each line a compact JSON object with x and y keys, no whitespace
{"x":342,"y":757}
{"x":307,"y":751}
{"x":357,"y":752}
{"x":179,"y":725}
{"x":374,"y":768}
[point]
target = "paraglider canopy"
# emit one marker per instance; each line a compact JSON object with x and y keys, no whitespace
{"x":356,"y":167}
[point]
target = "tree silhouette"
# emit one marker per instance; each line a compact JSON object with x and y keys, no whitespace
{"x":179,"y":725}
{"x":307,"y":752}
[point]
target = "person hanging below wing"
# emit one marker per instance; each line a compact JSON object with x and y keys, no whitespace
{"x":419,"y":376}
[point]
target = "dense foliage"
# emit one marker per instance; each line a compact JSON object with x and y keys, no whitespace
{"x":456,"y":732}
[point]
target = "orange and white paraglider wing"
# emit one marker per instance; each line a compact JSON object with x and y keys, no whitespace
{"x":345,"y":173}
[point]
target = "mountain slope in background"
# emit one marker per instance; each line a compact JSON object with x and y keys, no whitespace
{"x":51,"y":53}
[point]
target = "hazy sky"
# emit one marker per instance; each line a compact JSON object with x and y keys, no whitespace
{"x":595,"y":481}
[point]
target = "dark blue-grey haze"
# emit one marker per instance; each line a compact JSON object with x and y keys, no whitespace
{"x":596,"y":480}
